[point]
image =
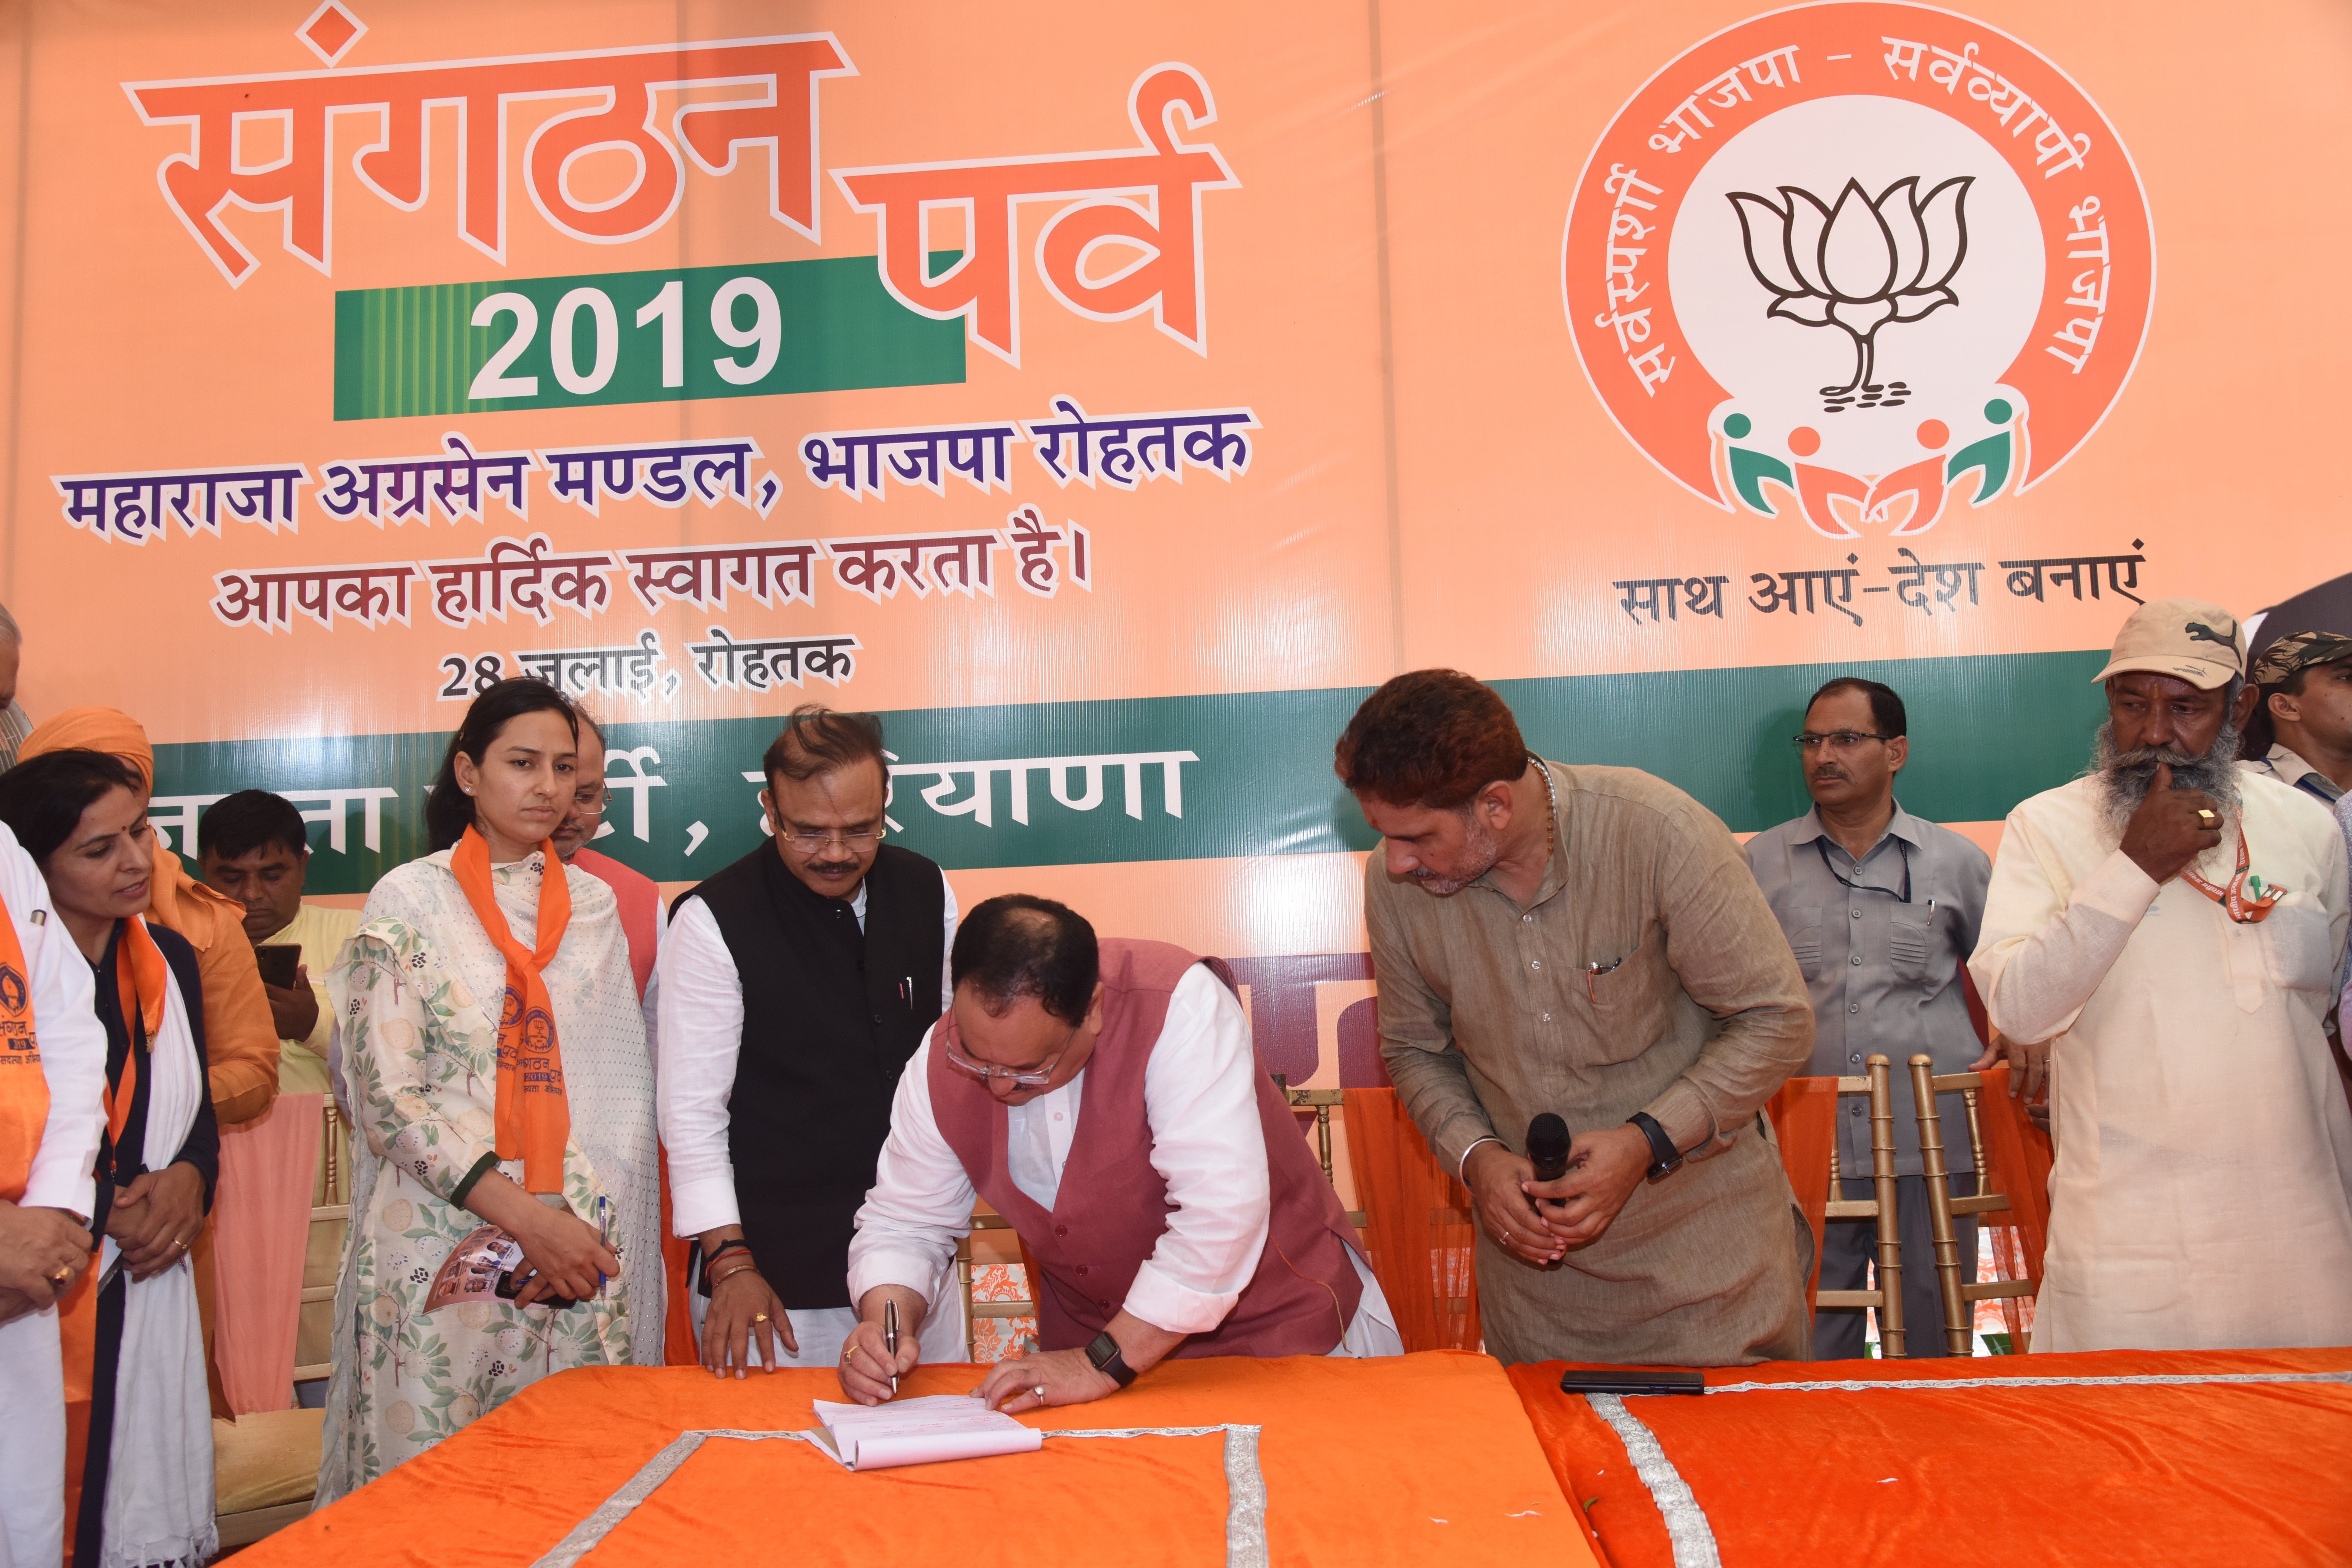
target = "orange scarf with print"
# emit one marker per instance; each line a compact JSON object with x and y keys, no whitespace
{"x":23,"y":1088}
{"x":534,"y":1120}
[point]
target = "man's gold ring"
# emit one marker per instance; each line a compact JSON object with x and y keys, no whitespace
{"x":1039,"y":1394}
{"x":759,"y":1316}
{"x":64,"y":1273}
{"x":849,"y":1354}
{"x":2205,"y":815}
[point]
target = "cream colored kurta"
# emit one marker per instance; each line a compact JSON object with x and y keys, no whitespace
{"x":417,"y":993}
{"x":2202,"y":1196}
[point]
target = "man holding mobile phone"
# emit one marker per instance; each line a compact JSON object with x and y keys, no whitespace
{"x":254,"y":846}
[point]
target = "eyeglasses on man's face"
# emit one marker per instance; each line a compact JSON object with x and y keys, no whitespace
{"x":1837,"y":741}
{"x":813,"y":840}
{"x":988,"y":1072}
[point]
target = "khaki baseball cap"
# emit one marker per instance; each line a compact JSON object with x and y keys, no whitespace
{"x":2195,"y":641}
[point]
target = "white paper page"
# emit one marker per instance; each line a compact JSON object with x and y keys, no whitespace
{"x":922,"y":1431}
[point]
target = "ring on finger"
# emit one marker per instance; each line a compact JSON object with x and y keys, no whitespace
{"x":1038,"y":1393}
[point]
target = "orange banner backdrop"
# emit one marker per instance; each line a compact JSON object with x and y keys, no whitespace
{"x":1110,"y":399}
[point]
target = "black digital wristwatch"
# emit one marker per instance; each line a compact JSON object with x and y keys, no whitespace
{"x":1104,"y":1357}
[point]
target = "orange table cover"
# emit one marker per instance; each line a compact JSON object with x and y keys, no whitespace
{"x":1412,"y":1460}
{"x":2087,"y":1475}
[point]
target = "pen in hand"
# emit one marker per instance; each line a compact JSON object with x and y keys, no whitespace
{"x":890,"y":1339}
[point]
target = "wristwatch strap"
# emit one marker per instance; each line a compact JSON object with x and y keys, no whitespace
{"x":1665,"y":1158}
{"x":1104,"y":1357}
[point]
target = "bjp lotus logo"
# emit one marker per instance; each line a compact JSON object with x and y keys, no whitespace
{"x":1859,"y":266}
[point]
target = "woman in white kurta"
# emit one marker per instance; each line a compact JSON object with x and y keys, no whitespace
{"x":2202,"y":1194}
{"x":418,"y":997}
{"x":146,"y":1471}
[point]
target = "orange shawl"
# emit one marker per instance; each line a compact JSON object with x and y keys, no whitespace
{"x":534,"y":1120}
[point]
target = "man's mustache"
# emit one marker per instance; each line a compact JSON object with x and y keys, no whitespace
{"x":2146,"y":759}
{"x":832,"y":867}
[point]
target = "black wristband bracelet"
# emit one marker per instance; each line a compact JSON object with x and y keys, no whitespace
{"x":1665,"y":1158}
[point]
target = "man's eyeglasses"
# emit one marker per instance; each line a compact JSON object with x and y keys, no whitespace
{"x":590,"y":805}
{"x":813,"y":839}
{"x":989,"y":1072}
{"x":1836,"y":740}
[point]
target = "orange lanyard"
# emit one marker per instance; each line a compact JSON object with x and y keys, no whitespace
{"x":2245,"y":899}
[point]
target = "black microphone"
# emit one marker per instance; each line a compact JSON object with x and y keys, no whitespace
{"x":1548,"y":1146}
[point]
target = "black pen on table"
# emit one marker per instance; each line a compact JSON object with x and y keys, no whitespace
{"x":890,"y":1339}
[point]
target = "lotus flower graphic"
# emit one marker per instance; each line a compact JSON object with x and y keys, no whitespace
{"x":1858,"y":265}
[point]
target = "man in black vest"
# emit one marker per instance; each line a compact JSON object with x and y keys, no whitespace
{"x":794,"y":985}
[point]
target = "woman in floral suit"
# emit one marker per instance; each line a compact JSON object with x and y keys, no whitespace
{"x":494,"y":1061}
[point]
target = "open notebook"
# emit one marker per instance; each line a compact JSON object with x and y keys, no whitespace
{"x":919,"y":1432}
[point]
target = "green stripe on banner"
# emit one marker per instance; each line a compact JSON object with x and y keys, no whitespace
{"x":823,"y":325}
{"x":1180,"y":778}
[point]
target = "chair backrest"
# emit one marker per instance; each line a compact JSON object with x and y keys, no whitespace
{"x":330,"y":1207}
{"x":1416,"y":1222}
{"x":1804,"y":1119}
{"x":2008,"y":1153}
{"x":976,"y":1307}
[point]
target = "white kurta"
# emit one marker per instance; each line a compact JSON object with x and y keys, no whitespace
{"x":73,"y":1063}
{"x":2202,"y":1195}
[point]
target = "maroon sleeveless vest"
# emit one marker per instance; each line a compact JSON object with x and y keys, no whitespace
{"x":1112,"y":1205}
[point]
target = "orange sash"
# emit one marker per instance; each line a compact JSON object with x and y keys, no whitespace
{"x":534,"y":1120}
{"x":24,"y":1088}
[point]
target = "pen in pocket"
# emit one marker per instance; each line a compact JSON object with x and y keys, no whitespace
{"x":1593,"y":974}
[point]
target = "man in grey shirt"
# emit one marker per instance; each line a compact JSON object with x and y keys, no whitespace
{"x":1881,"y":912}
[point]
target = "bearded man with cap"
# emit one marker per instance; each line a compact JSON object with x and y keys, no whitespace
{"x":2169,"y":929}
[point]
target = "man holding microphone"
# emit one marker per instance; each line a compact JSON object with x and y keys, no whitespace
{"x":1583,"y":940}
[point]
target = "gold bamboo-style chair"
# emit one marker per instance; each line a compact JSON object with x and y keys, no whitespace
{"x":1959,"y":1296}
{"x":1887,"y":1295}
{"x":1321,"y":1101}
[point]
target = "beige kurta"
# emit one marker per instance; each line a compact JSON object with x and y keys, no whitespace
{"x":1489,"y":1015}
{"x":2202,"y":1195}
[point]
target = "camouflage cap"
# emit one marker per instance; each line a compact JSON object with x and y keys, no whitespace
{"x":2301,"y":651}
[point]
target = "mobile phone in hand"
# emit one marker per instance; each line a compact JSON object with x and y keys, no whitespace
{"x":280,"y":961}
